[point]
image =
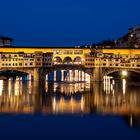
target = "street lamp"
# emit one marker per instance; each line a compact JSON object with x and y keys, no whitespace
{"x":124,"y":73}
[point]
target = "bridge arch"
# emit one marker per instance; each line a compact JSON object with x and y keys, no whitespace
{"x":131,"y":72}
{"x":14,"y":71}
{"x":57,"y":60}
{"x":120,"y":70}
{"x":67,"y":60}
{"x":78,"y":60}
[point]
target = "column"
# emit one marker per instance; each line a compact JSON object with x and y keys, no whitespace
{"x":70,"y":76}
{"x":67,"y":76}
{"x":39,"y":78}
{"x":29,"y":77}
{"x":79,"y":76}
{"x":36,"y":74}
{"x":73,"y":75}
{"x":76,"y":75}
{"x":97,"y":74}
{"x":83,"y":76}
{"x":54,"y":76}
{"x":62,"y":75}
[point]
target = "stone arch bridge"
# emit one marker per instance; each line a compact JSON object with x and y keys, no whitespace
{"x":64,"y":58}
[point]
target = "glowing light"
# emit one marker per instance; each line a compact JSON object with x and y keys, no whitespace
{"x":54,"y":104}
{"x":82,"y":103}
{"x":124,"y":86}
{"x":124,"y":73}
{"x":1,"y":87}
{"x":132,"y":35}
{"x":10,"y":87}
{"x":131,"y":120}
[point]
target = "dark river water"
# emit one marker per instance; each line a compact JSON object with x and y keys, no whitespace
{"x":81,"y":111}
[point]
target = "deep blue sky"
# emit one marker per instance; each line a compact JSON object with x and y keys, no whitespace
{"x":66,"y":22}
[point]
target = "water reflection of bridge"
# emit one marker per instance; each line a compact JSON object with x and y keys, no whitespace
{"x":73,"y":99}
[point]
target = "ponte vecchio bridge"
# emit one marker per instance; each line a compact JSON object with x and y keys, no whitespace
{"x":39,"y":62}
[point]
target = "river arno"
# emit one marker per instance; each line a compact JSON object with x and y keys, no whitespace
{"x":109,"y":110}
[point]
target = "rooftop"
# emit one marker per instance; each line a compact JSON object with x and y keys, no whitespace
{"x":5,"y":38}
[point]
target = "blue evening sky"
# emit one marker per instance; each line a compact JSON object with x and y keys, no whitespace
{"x":66,"y":22}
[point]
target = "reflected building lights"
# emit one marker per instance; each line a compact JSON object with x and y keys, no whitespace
{"x":131,"y":120}
{"x":108,"y":85}
{"x":30,"y":87}
{"x":9,"y":87}
{"x":124,"y":86}
{"x":1,"y":87}
{"x":82,"y":103}
{"x":68,"y":106}
{"x":69,"y":88}
{"x":54,"y":104}
{"x":71,"y":98}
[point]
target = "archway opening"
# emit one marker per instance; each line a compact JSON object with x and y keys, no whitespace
{"x":12,"y":73}
{"x":130,"y":75}
{"x":67,"y":60}
{"x":77,"y":60}
{"x":15,"y":74}
{"x":57,"y":60}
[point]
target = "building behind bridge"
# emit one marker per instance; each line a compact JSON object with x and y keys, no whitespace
{"x":5,"y":41}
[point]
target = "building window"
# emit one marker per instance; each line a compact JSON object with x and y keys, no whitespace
{"x":20,"y":55}
{"x":67,"y":51}
{"x":57,"y":52}
{"x":78,"y":51}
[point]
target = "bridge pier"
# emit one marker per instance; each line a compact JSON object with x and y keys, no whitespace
{"x":39,"y":74}
{"x":96,"y":75}
{"x":70,"y":75}
{"x":62,"y":75}
{"x":55,"y":75}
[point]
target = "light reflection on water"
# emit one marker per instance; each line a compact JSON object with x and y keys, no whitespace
{"x":114,"y":97}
